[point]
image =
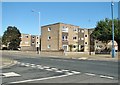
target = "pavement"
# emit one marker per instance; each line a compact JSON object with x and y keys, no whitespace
{"x":6,"y":62}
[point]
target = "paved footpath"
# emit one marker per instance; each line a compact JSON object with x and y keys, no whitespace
{"x":6,"y":62}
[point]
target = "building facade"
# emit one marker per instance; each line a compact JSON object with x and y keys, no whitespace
{"x":67,"y":37}
{"x":29,"y":42}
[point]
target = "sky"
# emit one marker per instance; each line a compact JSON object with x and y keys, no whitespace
{"x":83,"y":14}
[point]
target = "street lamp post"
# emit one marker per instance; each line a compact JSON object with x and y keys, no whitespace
{"x":112,"y":11}
{"x":38,"y":42}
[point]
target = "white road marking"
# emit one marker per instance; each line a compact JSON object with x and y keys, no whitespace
{"x":33,"y":64}
{"x":90,"y":74}
{"x":102,"y":76}
{"x":68,"y":73}
{"x":75,"y":72}
{"x":59,"y":71}
{"x":40,"y":67}
{"x":46,"y":67}
{"x":65,"y":70}
{"x":49,"y":69}
{"x":22,"y":64}
{"x":40,"y":79}
{"x":54,"y":68}
{"x":10,"y":74}
{"x":27,"y":65}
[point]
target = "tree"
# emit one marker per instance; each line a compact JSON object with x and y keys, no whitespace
{"x":11,"y":38}
{"x":103,"y":31}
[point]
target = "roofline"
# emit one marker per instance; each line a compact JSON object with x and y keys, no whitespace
{"x":59,"y":23}
{"x":29,"y":34}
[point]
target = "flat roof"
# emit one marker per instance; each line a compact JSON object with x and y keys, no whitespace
{"x":59,"y":23}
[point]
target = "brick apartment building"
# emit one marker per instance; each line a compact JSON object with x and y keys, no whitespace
{"x":29,"y":42}
{"x":58,"y":36}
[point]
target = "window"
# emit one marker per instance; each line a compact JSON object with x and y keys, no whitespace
{"x":82,"y":46}
{"x":85,"y":42}
{"x":37,"y":37}
{"x":75,"y":29}
{"x":49,"y":37}
{"x":33,"y":37}
{"x":64,"y":37}
{"x":49,"y":29}
{"x":74,"y":38}
{"x":82,"y":31}
{"x":85,"y":35}
{"x":49,"y":46}
{"x":26,"y":36}
{"x":33,"y":42}
{"x":26,"y":42}
{"x":65,"y":29}
{"x":37,"y":42}
{"x":82,"y":38}
{"x":74,"y":46}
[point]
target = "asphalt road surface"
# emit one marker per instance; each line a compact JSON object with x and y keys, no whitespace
{"x":40,"y":69}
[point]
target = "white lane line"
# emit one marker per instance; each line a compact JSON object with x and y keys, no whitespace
{"x":40,"y":67}
{"x":40,"y":79}
{"x":46,"y":67}
{"x":59,"y":71}
{"x":65,"y":70}
{"x":75,"y":72}
{"x":33,"y":64}
{"x":54,"y":69}
{"x":27,"y":65}
{"x":68,"y":73}
{"x":102,"y":76}
{"x":90,"y":74}
{"x":49,"y":69}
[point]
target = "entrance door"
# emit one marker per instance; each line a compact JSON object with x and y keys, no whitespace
{"x":65,"y":47}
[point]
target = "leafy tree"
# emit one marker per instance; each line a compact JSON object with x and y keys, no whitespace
{"x":11,"y":38}
{"x":103,"y":31}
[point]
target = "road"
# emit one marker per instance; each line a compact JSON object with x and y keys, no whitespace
{"x":40,"y":69}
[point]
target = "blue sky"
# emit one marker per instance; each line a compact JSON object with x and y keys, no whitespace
{"x":83,"y":14}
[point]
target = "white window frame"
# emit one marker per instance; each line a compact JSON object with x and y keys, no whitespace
{"x":82,"y":31}
{"x":82,"y":38}
{"x":49,"y":37}
{"x":26,"y":42}
{"x":48,"y":46}
{"x":86,"y":42}
{"x":49,"y":28}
